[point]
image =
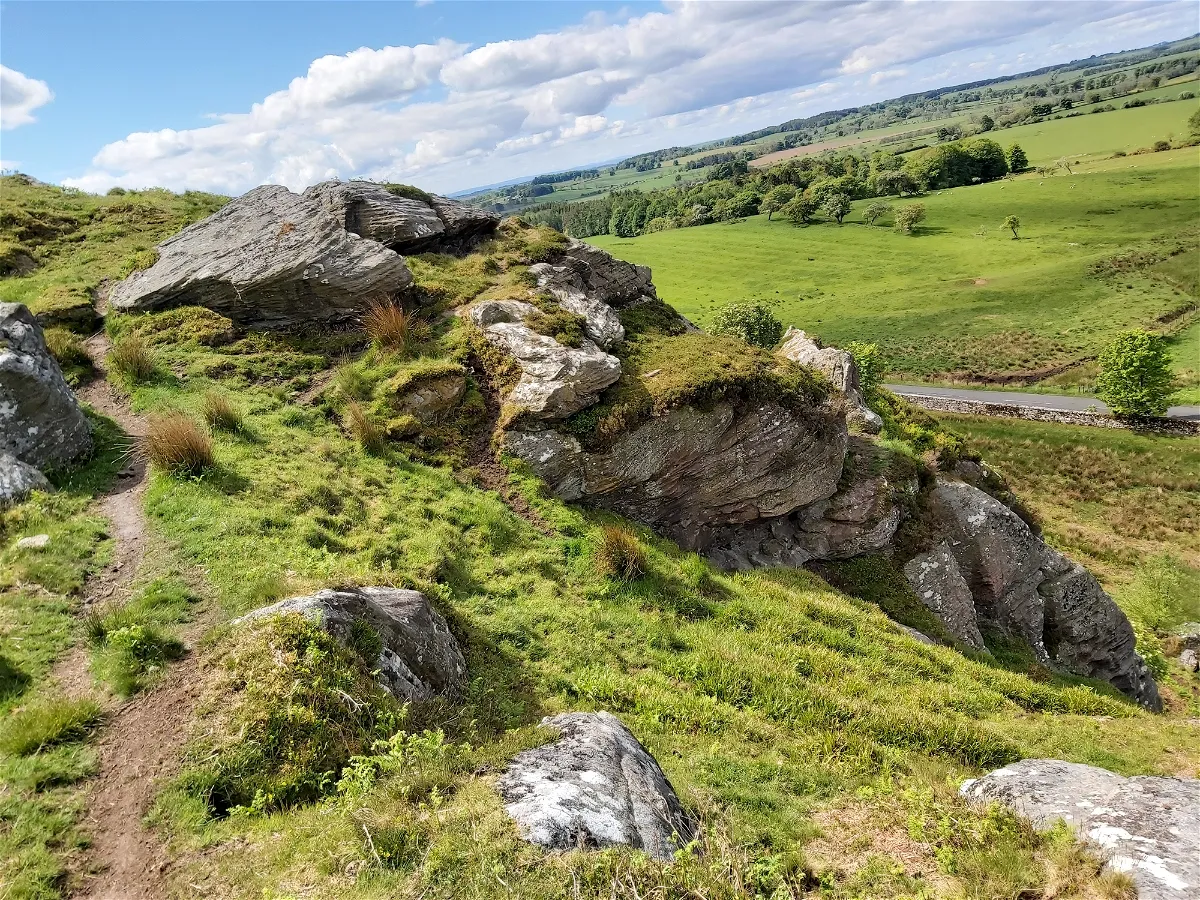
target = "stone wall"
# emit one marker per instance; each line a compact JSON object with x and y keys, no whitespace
{"x":1159,"y":424}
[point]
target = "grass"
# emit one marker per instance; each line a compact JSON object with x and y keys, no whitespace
{"x":176,"y":444}
{"x":220,"y":413}
{"x":960,"y":298}
{"x":132,"y":359}
{"x":619,"y":554}
{"x":390,"y":326}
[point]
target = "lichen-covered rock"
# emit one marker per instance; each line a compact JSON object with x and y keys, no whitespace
{"x":268,"y":259}
{"x":1189,"y":660}
{"x":596,"y":786}
{"x":1148,"y":827}
{"x":566,"y":284}
{"x":937,"y":582}
{"x":841,"y":370}
{"x":420,"y":657}
{"x":41,"y":423}
{"x":600,"y":276}
{"x":861,"y":517}
{"x":691,"y":470}
{"x":18,"y":480}
{"x":1024,"y":589}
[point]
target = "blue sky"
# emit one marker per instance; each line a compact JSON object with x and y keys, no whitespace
{"x":448,"y":95}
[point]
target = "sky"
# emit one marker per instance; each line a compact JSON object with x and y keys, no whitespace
{"x":223,"y":96}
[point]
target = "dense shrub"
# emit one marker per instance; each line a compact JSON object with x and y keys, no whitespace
{"x":752,"y":322}
{"x":1136,"y":378}
{"x":870,"y":364}
{"x":908,"y":217}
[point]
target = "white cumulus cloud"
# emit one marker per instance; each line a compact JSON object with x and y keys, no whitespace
{"x":20,"y":95}
{"x":448,"y":116}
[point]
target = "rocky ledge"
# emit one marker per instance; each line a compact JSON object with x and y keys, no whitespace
{"x":1146,"y":826}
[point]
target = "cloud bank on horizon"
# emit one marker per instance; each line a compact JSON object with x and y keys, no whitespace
{"x":448,"y":116}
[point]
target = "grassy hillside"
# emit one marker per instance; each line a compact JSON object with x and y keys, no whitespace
{"x":819,"y":745}
{"x":960,"y":296}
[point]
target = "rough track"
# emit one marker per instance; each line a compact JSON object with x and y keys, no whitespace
{"x":139,"y":744}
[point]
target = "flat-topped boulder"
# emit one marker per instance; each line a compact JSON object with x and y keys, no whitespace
{"x":594,"y":787}
{"x":1146,"y":826}
{"x":41,"y":422}
{"x":419,"y":656}
{"x":269,"y":259}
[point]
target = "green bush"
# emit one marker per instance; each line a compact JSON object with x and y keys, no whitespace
{"x":871,"y":367}
{"x":908,"y":217}
{"x":1136,"y":378}
{"x":752,"y":322}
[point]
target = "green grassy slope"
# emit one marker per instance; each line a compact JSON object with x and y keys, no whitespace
{"x":961,"y":295}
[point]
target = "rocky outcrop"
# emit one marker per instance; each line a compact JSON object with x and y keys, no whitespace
{"x":691,"y":470}
{"x":602,"y":277}
{"x":556,"y":380}
{"x":861,"y":517}
{"x":839,"y":367}
{"x":18,"y":480}
{"x":41,"y":423}
{"x":415,"y":223}
{"x":1026,"y":590}
{"x":430,"y":398}
{"x":269,"y":259}
{"x":596,"y":786}
{"x":1146,"y":826}
{"x":939,"y":585}
{"x":420,"y":657}
{"x":567,"y":285}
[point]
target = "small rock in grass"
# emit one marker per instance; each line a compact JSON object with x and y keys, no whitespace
{"x":1189,"y":660}
{"x":596,"y":786}
{"x":36,"y":542}
{"x":18,"y":480}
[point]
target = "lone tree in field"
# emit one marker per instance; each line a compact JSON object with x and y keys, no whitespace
{"x":799,"y":210}
{"x":987,"y":123}
{"x":1017,"y":160}
{"x":1012,"y":223}
{"x":837,"y":207}
{"x":908,"y":217}
{"x":875,"y":211}
{"x":750,"y":321}
{"x":1135,"y":374}
{"x":1194,"y":123}
{"x":776,"y":198}
{"x":1064,"y":163}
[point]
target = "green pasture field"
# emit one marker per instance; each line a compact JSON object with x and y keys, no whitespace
{"x":961,"y":297}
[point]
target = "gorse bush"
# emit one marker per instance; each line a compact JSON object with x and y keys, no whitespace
{"x":132,"y":359}
{"x":1136,"y":378}
{"x":620,"y":554}
{"x":752,"y":322}
{"x":176,"y":444}
{"x":220,"y":413}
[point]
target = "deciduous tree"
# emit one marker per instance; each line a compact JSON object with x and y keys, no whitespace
{"x":908,"y":217}
{"x":1135,"y":374}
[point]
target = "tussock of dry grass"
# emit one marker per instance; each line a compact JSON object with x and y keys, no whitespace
{"x":220,"y":413}
{"x":390,"y":326}
{"x":620,"y":554}
{"x":132,"y":358}
{"x":176,"y":444}
{"x":363,"y":426}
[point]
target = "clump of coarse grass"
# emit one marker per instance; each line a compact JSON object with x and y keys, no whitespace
{"x":176,"y":444}
{"x":363,"y":426}
{"x":66,"y":347}
{"x":127,"y":654}
{"x":46,"y":721}
{"x":220,"y":413}
{"x":620,"y":554}
{"x":392,"y":327}
{"x":132,"y":359}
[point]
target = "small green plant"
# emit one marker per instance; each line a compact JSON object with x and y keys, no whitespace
{"x":620,"y":554}
{"x":909,"y":216}
{"x":870,"y":364}
{"x":177,"y":445}
{"x":138,"y":261}
{"x":363,"y":426}
{"x":750,"y":321}
{"x":1136,"y":377}
{"x":126,"y":655}
{"x":132,"y":359}
{"x":46,"y":721}
{"x":565,"y":327}
{"x":875,"y":211}
{"x":220,"y":413}
{"x":1012,"y":223}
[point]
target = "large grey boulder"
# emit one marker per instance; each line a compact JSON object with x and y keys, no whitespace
{"x":41,"y":423}
{"x":268,"y":259}
{"x":567,"y":285}
{"x":584,"y":268}
{"x":596,"y":786}
{"x":861,"y":517}
{"x":556,"y":380}
{"x":18,"y":480}
{"x":841,"y":370}
{"x":1146,"y":826}
{"x":937,"y":582}
{"x":1026,"y":590}
{"x":691,"y":469}
{"x":407,"y":224}
{"x":420,"y":657}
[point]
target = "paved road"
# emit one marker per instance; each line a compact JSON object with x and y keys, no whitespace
{"x":1042,"y":401}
